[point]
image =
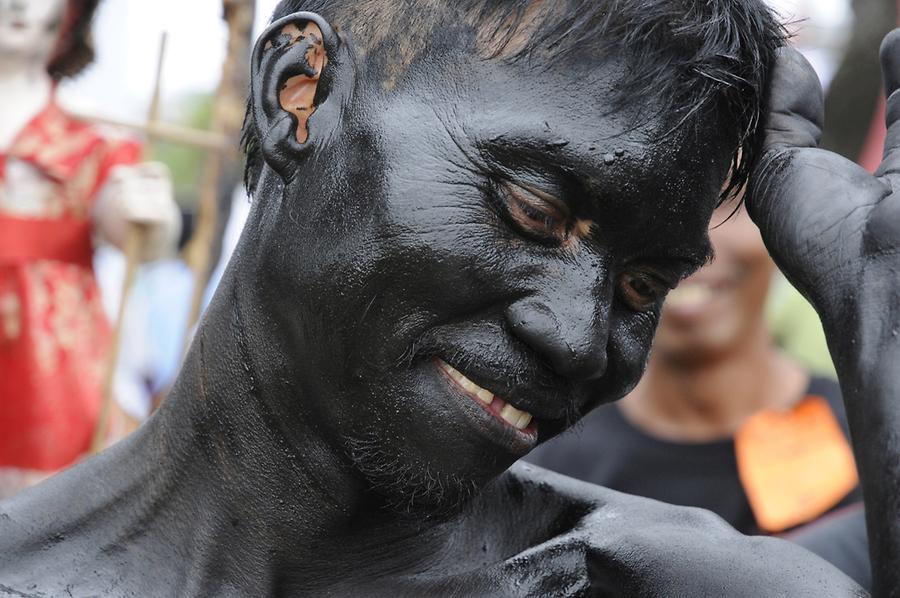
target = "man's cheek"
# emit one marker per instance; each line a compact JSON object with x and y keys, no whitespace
{"x":631,"y":337}
{"x":449,"y":224}
{"x":449,"y":267}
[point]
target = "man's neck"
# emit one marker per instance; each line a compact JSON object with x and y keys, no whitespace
{"x":708,"y":401}
{"x":25,"y":88}
{"x":279,"y":501}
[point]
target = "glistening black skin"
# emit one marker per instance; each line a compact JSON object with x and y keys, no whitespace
{"x":313,"y":447}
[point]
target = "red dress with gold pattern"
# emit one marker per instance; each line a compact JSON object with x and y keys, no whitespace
{"x":53,"y":331}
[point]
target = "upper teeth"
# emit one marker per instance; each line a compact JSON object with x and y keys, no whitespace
{"x":483,"y":395}
{"x":511,"y":415}
{"x":519,"y":419}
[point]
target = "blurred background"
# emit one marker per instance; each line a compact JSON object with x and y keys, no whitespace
{"x":119,"y":84}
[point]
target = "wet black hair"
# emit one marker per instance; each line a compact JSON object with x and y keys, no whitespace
{"x":701,"y":61}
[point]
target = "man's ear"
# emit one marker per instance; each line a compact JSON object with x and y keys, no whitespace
{"x":293,"y":76}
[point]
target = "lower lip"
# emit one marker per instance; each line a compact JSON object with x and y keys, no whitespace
{"x":500,"y":430}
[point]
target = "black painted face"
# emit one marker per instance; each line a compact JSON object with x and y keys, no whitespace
{"x":487,"y":229}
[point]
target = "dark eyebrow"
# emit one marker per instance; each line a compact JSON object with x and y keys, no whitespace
{"x":546,"y":155}
{"x":549,"y":154}
{"x":542,"y":168}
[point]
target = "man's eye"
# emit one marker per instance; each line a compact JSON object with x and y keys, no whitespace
{"x":536,"y":216}
{"x":641,"y":291}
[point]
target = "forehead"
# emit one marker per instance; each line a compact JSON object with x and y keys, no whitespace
{"x":561,"y":120}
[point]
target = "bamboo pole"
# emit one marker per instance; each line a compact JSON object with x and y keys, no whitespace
{"x":134,"y":243}
{"x":187,"y":136}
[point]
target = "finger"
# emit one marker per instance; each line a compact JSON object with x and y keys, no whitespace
{"x":796,"y":103}
{"x":796,"y":114}
{"x":890,"y":68}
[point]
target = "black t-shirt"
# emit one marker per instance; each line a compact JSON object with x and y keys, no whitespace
{"x":841,"y":539}
{"x":606,"y":449}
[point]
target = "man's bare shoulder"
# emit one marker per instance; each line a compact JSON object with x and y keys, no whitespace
{"x":66,"y":537}
{"x":531,"y":532}
{"x":576,"y":539}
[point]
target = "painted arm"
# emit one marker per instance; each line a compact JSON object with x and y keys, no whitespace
{"x":834,"y":230}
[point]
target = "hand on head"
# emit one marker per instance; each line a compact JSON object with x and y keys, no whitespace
{"x":834,"y":229}
{"x":831,"y":226}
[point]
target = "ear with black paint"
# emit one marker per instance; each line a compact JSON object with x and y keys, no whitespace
{"x":294,"y":75}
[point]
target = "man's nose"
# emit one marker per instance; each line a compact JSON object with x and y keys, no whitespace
{"x":569,"y":332}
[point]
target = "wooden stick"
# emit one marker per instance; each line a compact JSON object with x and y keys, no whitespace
{"x":156,"y":99}
{"x":134,"y":243}
{"x":206,"y":140}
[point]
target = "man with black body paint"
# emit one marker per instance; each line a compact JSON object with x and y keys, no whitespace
{"x":456,"y":201}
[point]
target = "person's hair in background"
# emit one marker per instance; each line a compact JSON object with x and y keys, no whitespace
{"x":75,"y":48}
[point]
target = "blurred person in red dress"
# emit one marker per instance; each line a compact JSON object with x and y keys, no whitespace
{"x":63,"y":184}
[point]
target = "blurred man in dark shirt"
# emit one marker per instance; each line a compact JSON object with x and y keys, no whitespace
{"x":722,"y":419}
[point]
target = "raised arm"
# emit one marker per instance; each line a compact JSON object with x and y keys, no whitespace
{"x":834,"y":229}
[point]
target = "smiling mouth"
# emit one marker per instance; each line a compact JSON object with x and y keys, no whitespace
{"x":518,"y":419}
